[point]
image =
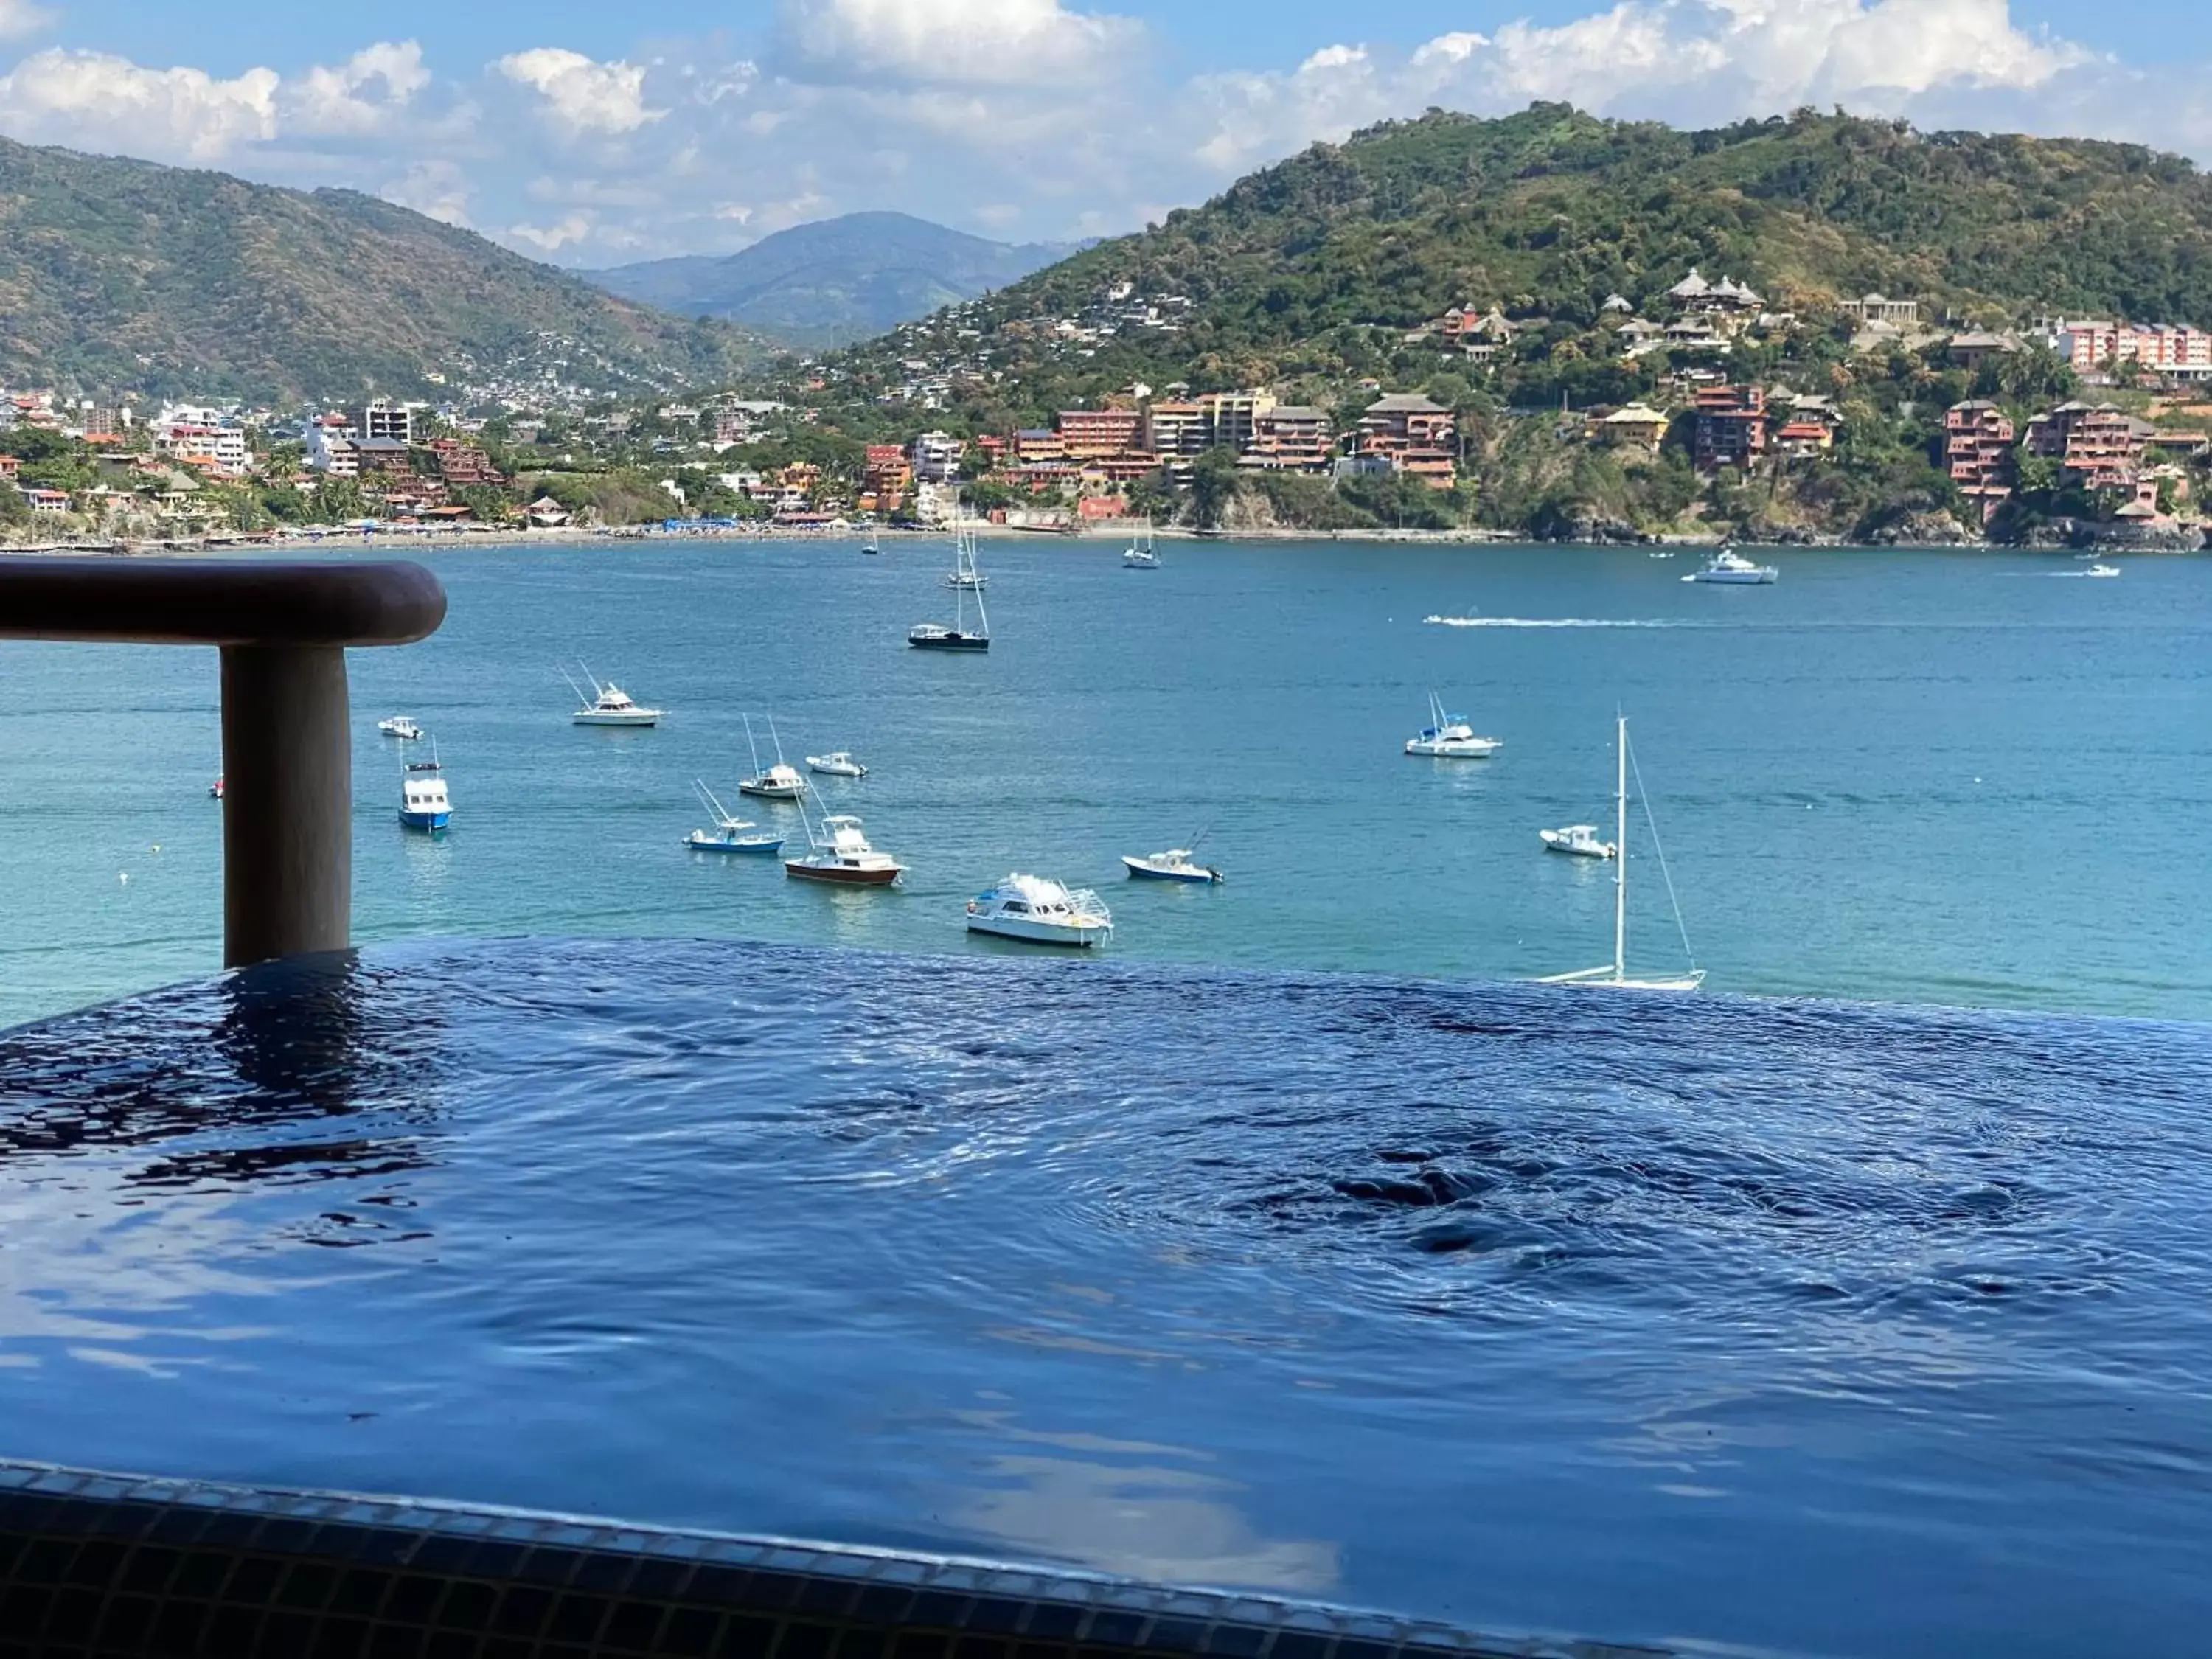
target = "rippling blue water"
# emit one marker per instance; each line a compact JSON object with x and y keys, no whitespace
{"x":1949,"y":778}
{"x":1809,"y":1326}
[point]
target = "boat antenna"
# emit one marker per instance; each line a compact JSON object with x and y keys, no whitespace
{"x":597,"y":689}
{"x":577,"y":689}
{"x":1660,"y":853}
{"x":751,"y":747}
{"x":712,"y":803}
{"x":776,"y":740}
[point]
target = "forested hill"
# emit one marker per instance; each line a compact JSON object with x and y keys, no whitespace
{"x":1549,"y":211}
{"x":120,"y":274}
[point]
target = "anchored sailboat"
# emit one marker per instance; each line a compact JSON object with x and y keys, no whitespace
{"x":1614,"y":974}
{"x":964,"y":581}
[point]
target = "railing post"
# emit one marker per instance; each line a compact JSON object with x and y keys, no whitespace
{"x":288,"y":802}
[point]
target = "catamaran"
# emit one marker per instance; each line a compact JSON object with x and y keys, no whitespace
{"x":778,"y":781}
{"x":608,"y":704}
{"x":935,"y":636}
{"x":1614,"y":974}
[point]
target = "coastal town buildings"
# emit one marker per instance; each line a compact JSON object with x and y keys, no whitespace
{"x":2099,"y":446}
{"x":1292,"y":439}
{"x":936,"y":458}
{"x":1088,"y":434}
{"x":1731,"y":428}
{"x":1978,"y":454}
{"x":1903,"y":315}
{"x":2094,"y":347}
{"x":1417,"y":438}
{"x":1635,"y":425}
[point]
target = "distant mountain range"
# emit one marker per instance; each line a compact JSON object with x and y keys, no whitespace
{"x":119,"y":274}
{"x":837,"y":281}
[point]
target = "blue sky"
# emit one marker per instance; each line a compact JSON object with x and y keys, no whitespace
{"x":593,"y":134}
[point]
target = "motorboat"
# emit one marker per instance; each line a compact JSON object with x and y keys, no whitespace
{"x":1581,"y":840}
{"x":2102,"y":570}
{"x":1177,"y":863}
{"x":1142,"y":555}
{"x":1041,"y":912}
{"x":731,"y":834}
{"x":1731,"y":567}
{"x":837,"y":763}
{"x":1614,"y":974}
{"x":843,"y":857}
{"x":214,"y":789}
{"x":1449,"y":737}
{"x":401,"y":727}
{"x":424,"y":803}
{"x":777,"y":782}
{"x":608,"y":704}
{"x":935,"y":636}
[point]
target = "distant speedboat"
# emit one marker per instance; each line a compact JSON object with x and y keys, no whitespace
{"x":608,"y":705}
{"x":843,"y":857}
{"x":2102,"y":570}
{"x":1580,"y":839}
{"x":1449,"y":737}
{"x":1177,"y":863}
{"x":778,"y":781}
{"x":401,"y":727}
{"x":1041,"y":912}
{"x":424,"y":802}
{"x":1730,"y":568}
{"x":731,"y":834}
{"x":837,"y":763}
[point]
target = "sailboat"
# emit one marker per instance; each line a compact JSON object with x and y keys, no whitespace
{"x":1614,"y":974}
{"x":1141,"y":556}
{"x":965,"y":579}
{"x":871,"y":547}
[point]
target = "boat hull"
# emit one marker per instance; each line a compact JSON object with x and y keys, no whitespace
{"x":1452,"y":751}
{"x":618,"y":719}
{"x":1575,"y":849}
{"x":1144,"y":872}
{"x":1031,"y":932}
{"x":801,"y":871}
{"x":1734,"y":578}
{"x":427,"y":822}
{"x":952,"y":643}
{"x":742,"y":848}
{"x":775,"y":794}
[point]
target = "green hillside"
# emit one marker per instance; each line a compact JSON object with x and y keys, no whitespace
{"x":118,"y":274}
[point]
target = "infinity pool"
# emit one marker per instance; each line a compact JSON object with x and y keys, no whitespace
{"x":1809,"y":1327}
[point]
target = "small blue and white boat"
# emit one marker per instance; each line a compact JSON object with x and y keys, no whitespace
{"x":424,"y":804}
{"x":729,"y":835}
{"x":1177,"y":863}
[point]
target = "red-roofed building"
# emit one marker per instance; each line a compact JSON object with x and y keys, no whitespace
{"x":1977,"y":439}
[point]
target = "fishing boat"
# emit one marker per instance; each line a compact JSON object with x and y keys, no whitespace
{"x":731,"y":834}
{"x":1614,"y":975}
{"x":778,"y":781}
{"x":1449,"y":737}
{"x":1141,"y":555}
{"x":1581,"y":840}
{"x":1177,"y":863}
{"x":1730,"y":568}
{"x":2102,"y":570}
{"x":935,"y":636}
{"x":608,"y":704}
{"x":1041,"y":912}
{"x":424,"y":803}
{"x":843,"y":857}
{"x":837,"y":763}
{"x":401,"y":727}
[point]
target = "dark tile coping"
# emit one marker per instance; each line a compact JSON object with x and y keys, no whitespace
{"x":109,"y":1566}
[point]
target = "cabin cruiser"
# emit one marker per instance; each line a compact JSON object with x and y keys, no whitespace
{"x":1041,"y":912}
{"x":837,"y":763}
{"x":424,"y":803}
{"x":842,"y":857}
{"x":1177,"y":863}
{"x":777,"y":782}
{"x":1580,"y":839}
{"x":1449,"y":737}
{"x":1730,"y":566}
{"x":401,"y":727}
{"x":609,"y":705}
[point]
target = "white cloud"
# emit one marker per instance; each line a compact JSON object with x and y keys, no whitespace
{"x":957,"y":42}
{"x":94,"y":99}
{"x":551,"y":238}
{"x":19,"y":17}
{"x":581,"y":94}
{"x":437,"y":188}
{"x":331,"y":100}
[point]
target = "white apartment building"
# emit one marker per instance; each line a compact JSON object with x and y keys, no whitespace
{"x":937,"y":458}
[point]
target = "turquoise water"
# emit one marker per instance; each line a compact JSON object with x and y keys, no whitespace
{"x":1950,"y":778}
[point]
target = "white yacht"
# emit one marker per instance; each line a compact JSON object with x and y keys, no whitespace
{"x":424,"y":803}
{"x":401,"y":727}
{"x":2102,"y":570}
{"x":1041,"y":912}
{"x":1731,"y":567}
{"x":843,"y":857}
{"x":1177,"y":863}
{"x":1142,"y":554}
{"x":1581,"y":839}
{"x":1614,"y":974}
{"x":608,"y":704}
{"x":1449,"y":737}
{"x":731,"y":834}
{"x":777,"y":782}
{"x":837,"y":763}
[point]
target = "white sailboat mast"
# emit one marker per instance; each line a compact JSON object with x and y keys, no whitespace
{"x":1620,"y":870}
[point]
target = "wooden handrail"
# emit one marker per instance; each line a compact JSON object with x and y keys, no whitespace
{"x":284,"y":628}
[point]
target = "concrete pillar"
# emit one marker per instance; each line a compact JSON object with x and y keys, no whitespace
{"x":288,"y":802}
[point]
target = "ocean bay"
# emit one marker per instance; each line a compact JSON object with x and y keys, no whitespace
{"x":1961,"y":778}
